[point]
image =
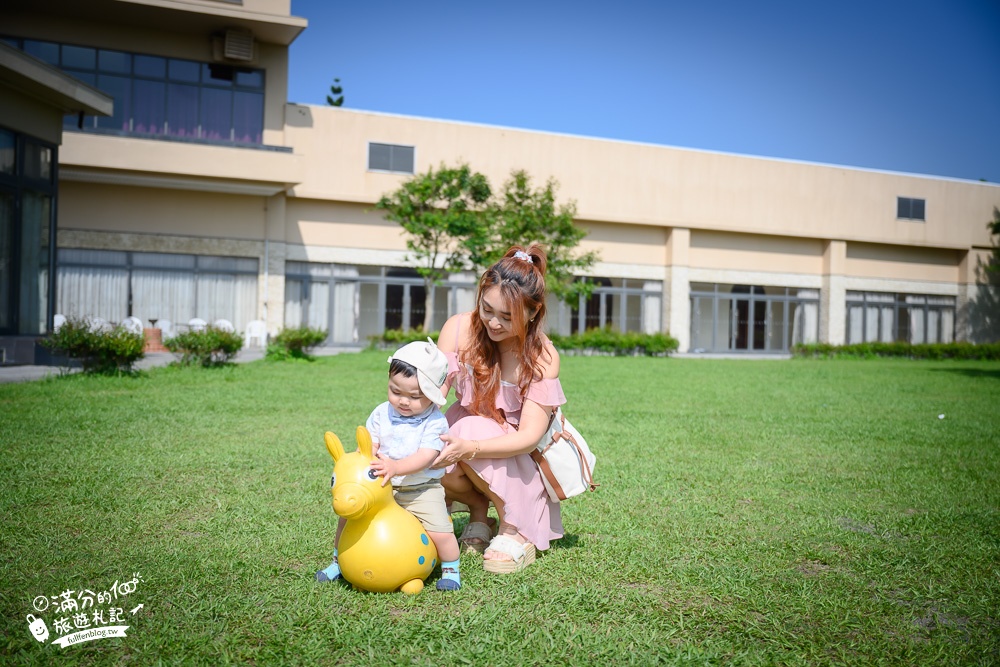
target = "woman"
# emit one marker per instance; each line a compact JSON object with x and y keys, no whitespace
{"x":506,"y":377}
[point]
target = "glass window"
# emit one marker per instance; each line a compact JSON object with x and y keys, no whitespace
{"x":34,"y":283}
{"x":184,"y":70}
{"x":150,"y":66}
{"x":8,"y":152}
{"x":182,"y":110}
{"x":248,"y":117}
{"x":114,"y":61}
{"x":120,"y":88}
{"x":216,"y":114}
{"x":908,"y":208}
{"x":6,"y":257}
{"x":250,"y":78}
{"x":46,"y":51}
{"x":160,"y":96}
{"x":79,"y":57}
{"x":37,"y":161}
{"x":149,"y":114}
{"x":390,"y":157}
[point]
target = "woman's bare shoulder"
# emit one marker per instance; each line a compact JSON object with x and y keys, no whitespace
{"x":548,"y":361}
{"x":457,"y":325}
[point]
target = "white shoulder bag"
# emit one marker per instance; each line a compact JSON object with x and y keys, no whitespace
{"x":564,"y":460}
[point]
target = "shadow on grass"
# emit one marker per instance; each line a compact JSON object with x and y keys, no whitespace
{"x":970,"y":372}
{"x":567,"y":541}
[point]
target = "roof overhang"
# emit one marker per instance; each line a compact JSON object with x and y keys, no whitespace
{"x":181,"y":17}
{"x":45,"y":83}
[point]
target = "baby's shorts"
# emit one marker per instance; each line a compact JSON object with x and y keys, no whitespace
{"x":426,"y":502}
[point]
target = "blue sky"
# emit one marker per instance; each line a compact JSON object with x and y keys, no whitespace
{"x":899,"y":85}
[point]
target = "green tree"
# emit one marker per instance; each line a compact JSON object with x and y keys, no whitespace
{"x":521,"y":215}
{"x":442,"y":213}
{"x":984,"y":310}
{"x":336,"y":97}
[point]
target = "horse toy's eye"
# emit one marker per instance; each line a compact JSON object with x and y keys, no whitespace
{"x":333,"y":481}
{"x":371,"y":474}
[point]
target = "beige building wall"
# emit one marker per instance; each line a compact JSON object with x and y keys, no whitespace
{"x":661,"y":216}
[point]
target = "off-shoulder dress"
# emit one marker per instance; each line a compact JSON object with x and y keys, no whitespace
{"x":515,"y":479}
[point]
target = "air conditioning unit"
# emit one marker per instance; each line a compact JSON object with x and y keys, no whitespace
{"x":234,"y":45}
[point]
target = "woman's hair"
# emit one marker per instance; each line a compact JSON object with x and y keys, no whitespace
{"x":520,"y":277}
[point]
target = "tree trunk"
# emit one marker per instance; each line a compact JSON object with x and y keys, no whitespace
{"x":428,"y":304}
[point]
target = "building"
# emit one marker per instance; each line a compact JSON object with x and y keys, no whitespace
{"x":205,"y":193}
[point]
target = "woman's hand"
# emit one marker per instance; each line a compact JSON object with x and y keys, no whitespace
{"x":454,"y":450}
{"x":385,"y":468}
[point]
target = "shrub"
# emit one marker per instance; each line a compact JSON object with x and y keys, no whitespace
{"x":396,"y":338}
{"x":211,"y":347}
{"x":607,"y":341}
{"x":960,"y":350}
{"x":295,"y":343}
{"x":106,"y":352}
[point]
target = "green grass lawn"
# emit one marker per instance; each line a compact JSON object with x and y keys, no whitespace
{"x":750,"y":512}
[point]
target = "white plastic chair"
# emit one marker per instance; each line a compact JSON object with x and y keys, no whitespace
{"x":57,"y":321}
{"x":197,"y":324}
{"x":133,"y":325}
{"x":166,"y":328}
{"x":224,"y":325}
{"x":97,"y":324}
{"x":256,"y":332}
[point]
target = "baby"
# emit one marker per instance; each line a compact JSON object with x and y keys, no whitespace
{"x":406,"y":432}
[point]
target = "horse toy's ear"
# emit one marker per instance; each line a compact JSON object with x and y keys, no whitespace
{"x":333,"y":446}
{"x":364,"y":442}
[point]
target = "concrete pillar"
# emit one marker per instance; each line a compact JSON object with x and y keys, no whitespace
{"x":271,"y":290}
{"x":677,"y":288}
{"x":833,"y":294}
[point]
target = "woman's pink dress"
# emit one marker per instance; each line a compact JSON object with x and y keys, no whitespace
{"x":515,"y":480}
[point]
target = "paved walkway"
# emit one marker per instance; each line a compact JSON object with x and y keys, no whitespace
{"x":151,"y":360}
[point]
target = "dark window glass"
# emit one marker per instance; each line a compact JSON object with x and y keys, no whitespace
{"x":182,"y":110}
{"x":114,"y":61}
{"x":8,"y":146}
{"x":37,"y":161}
{"x":46,"y":51}
{"x":217,"y":75}
{"x":184,"y":70}
{"x":6,"y":255}
{"x":908,"y":208}
{"x":150,"y":66}
{"x":79,"y":57}
{"x":402,"y":159}
{"x":248,"y":117}
{"x":250,"y":78}
{"x":380,"y":157}
{"x":216,"y":114}
{"x":149,"y":111}
{"x":120,"y":88}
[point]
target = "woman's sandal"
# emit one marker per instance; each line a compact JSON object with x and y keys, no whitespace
{"x":477,"y":535}
{"x":522,"y":555}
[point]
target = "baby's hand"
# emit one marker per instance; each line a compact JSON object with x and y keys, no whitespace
{"x":385,"y":468}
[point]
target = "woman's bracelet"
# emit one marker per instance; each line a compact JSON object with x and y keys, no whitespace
{"x":476,"y":442}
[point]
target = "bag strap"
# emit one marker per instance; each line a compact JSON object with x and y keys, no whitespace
{"x":563,"y":434}
{"x":546,"y":470}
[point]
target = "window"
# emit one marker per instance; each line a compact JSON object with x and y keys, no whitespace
{"x":910,"y":318}
{"x":114,"y":284}
{"x":730,"y":318}
{"x":163,"y":97}
{"x":389,"y":157}
{"x":624,"y":305}
{"x":908,"y":208}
